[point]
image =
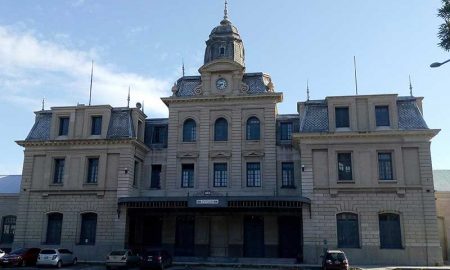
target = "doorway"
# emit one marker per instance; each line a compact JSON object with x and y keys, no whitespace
{"x":185,"y":236}
{"x":290,"y":237}
{"x":254,"y":236}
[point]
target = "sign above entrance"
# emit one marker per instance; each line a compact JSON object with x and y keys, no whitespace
{"x":207,"y":202}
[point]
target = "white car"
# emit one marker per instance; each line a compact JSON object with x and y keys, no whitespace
{"x":2,"y":253}
{"x":56,"y":257}
{"x":122,"y":258}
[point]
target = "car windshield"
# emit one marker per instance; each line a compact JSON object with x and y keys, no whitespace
{"x":335,"y":256}
{"x":18,"y":251}
{"x":48,"y":251}
{"x":153,"y":253}
{"x":118,"y":253}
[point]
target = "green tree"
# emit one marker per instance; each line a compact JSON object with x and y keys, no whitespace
{"x":444,"y":29}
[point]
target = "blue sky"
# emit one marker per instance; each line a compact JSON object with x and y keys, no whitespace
{"x":46,"y":48}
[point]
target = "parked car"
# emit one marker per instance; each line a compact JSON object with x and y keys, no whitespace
{"x":122,"y":258}
{"x":21,"y":257}
{"x":56,"y":257}
{"x":334,"y":260}
{"x":157,"y":258}
{"x":2,"y":253}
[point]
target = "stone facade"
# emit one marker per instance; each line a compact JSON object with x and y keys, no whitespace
{"x":442,"y":192}
{"x":277,"y":194}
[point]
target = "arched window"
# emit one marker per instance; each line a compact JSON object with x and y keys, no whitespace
{"x":88,"y":228}
{"x":8,"y":229}
{"x":221,"y":130}
{"x":390,"y":231}
{"x":347,"y":230}
{"x":189,"y":131}
{"x":54,"y":226}
{"x":253,"y":128}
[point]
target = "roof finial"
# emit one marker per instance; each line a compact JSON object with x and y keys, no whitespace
{"x":182,"y":65}
{"x":43,"y":103}
{"x":410,"y":86}
{"x":128,"y":99}
{"x":225,"y":11}
{"x":307,"y":90}
{"x":143,"y":106}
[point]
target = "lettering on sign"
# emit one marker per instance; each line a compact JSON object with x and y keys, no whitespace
{"x":207,"y":201}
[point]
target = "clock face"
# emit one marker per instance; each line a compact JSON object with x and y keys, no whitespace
{"x":221,"y":84}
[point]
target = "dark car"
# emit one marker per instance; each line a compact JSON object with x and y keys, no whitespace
{"x":21,"y":257}
{"x":157,"y":258}
{"x":334,"y":260}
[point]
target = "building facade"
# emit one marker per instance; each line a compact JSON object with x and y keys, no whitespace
{"x":9,"y":197}
{"x":442,"y":189}
{"x":226,"y":176}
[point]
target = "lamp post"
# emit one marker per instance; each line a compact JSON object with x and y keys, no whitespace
{"x":437,"y":64}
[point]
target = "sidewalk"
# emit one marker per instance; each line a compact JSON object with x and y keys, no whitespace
{"x":375,"y":267}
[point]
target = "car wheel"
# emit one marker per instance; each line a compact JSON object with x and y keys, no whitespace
{"x":59,"y":264}
{"x":74,"y":261}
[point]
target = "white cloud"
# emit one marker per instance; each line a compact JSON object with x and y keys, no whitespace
{"x":32,"y":68}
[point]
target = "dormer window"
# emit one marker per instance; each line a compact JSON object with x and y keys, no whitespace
{"x":96,"y":126}
{"x":63,"y":126}
{"x":222,"y":51}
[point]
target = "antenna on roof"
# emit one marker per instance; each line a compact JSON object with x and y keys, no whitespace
{"x":307,"y":90}
{"x":356,"y":78}
{"x":182,"y":65}
{"x":225,"y":11}
{"x":410,"y":86}
{"x":128,"y":99}
{"x":43,"y":103}
{"x":90,"y":88}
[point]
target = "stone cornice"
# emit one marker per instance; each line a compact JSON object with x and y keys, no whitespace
{"x":133,"y":141}
{"x":220,"y":98}
{"x":426,"y":133}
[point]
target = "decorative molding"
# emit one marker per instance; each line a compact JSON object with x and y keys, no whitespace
{"x":244,"y":87}
{"x":188,"y":154}
{"x":198,"y":91}
{"x":133,"y":141}
{"x":218,"y":154}
{"x":208,"y":99}
{"x":253,"y":153}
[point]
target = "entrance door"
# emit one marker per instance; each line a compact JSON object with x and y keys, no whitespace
{"x":184,"y":236}
{"x":253,"y":236}
{"x":219,"y":237}
{"x":290,"y":237}
{"x":152,"y":231}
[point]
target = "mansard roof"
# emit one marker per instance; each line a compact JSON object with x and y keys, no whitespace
{"x":10,"y":184}
{"x":315,"y":115}
{"x":257,"y":83}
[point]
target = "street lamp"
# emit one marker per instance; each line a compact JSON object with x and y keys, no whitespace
{"x":437,"y":64}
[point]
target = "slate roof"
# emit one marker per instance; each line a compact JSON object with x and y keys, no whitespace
{"x":41,"y":128}
{"x":441,"y":180}
{"x":10,"y":184}
{"x":315,"y":116}
{"x":121,"y":124}
{"x":256,"y":82}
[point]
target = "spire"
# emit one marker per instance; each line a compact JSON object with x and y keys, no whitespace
{"x":410,"y":86}
{"x":128,"y":99}
{"x":182,"y":65}
{"x":43,"y":103}
{"x":307,"y":90}
{"x":225,"y":11}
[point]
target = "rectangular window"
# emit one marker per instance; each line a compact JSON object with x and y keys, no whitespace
{"x":347,"y":230}
{"x":137,"y":173}
{"x":63,"y":126}
{"x":96,"y":126}
{"x":155,"y":181}
{"x":253,"y":174}
{"x":286,"y":131}
{"x":187,"y":175}
{"x":345,"y":166}
{"x":54,"y":226}
{"x":385,"y":166}
{"x":342,"y":117}
{"x":8,"y":229}
{"x":88,"y":229}
{"x":220,"y":175}
{"x":382,"y":116}
{"x":390,"y":232}
{"x":92,"y":176}
{"x":287,"y":175}
{"x":158,"y":135}
{"x":58,"y":173}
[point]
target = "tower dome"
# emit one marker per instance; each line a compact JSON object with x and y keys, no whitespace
{"x":225,"y":42}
